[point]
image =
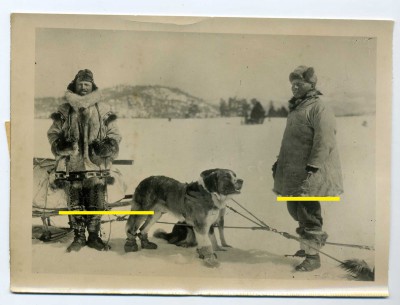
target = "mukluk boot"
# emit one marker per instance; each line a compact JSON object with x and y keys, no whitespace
{"x":145,"y":243}
{"x":208,"y":256}
{"x":79,"y":241}
{"x":311,"y":263}
{"x":131,"y":245}
{"x":95,"y":242}
{"x":311,"y":242}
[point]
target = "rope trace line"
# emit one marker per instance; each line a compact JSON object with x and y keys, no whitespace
{"x":106,"y":212}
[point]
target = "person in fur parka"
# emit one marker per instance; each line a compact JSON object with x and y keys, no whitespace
{"x":84,"y":138}
{"x":308,"y":163}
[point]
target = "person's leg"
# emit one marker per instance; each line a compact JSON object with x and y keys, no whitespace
{"x":95,"y":202}
{"x":312,"y":236}
{"x":309,"y":213}
{"x":293,"y":209}
{"x":77,"y":222}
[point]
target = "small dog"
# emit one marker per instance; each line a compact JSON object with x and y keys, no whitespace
{"x":199,"y":203}
{"x":182,"y":234}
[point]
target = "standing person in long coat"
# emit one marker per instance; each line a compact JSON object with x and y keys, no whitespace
{"x":84,"y":138}
{"x":308,"y":163}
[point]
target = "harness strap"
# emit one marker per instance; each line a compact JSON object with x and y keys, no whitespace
{"x":99,"y":135}
{"x":263,"y":226}
{"x":79,"y":176}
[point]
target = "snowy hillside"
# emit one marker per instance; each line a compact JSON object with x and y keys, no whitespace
{"x":142,"y":102}
{"x":182,"y":149}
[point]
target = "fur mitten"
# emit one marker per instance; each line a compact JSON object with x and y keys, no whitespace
{"x":65,"y":147}
{"x":105,"y":148}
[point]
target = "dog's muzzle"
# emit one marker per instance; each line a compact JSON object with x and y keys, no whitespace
{"x":238,"y":185}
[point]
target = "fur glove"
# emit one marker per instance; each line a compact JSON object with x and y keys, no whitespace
{"x":65,"y":147}
{"x":105,"y":148}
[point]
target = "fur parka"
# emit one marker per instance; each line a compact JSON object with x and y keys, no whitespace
{"x":84,"y":120}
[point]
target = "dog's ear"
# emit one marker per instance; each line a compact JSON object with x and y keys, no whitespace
{"x":210,"y":178}
{"x":207,"y":172}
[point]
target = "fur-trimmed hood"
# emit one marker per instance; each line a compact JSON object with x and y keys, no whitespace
{"x":85,"y":120}
{"x":85,"y":101}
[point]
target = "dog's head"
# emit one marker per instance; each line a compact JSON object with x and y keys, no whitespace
{"x":221,"y":181}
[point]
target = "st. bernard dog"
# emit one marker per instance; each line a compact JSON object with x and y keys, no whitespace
{"x":199,"y":204}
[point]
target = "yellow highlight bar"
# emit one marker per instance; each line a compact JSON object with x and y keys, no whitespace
{"x":106,"y":213}
{"x":326,"y":198}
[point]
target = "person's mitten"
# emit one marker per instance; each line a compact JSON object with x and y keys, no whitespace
{"x":313,"y":184}
{"x":65,"y":147}
{"x":105,"y":148}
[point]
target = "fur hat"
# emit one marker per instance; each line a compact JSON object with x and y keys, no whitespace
{"x":304,"y":73}
{"x":82,"y":75}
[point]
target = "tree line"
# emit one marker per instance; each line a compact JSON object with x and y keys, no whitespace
{"x":234,"y":107}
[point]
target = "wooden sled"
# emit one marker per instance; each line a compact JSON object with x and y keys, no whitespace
{"x":43,"y":169}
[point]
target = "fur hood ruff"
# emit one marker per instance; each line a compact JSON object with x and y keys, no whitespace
{"x":77,"y":101}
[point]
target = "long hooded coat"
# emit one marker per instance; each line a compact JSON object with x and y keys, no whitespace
{"x":309,"y":139}
{"x":86,"y":119}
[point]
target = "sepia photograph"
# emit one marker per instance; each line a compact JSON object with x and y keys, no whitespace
{"x":200,"y":156}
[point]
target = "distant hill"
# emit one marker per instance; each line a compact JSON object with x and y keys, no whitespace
{"x":142,"y":102}
{"x":166,"y":102}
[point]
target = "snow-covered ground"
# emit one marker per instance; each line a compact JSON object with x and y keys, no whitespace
{"x":182,"y":149}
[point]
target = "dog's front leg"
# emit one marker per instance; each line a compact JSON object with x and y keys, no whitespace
{"x":213,"y":239}
{"x":204,"y":245}
{"x":221,"y":224}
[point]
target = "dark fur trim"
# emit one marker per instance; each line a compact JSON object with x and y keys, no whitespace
{"x":91,"y":182}
{"x":57,"y":116}
{"x":110,"y":180}
{"x":58,"y":184}
{"x":319,"y":237}
{"x":63,"y":145}
{"x":109,"y":117}
{"x":105,"y":148}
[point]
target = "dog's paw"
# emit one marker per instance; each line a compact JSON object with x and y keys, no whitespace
{"x":208,"y":256}
{"x":225,"y":245}
{"x":218,"y":248}
{"x":182,"y":244}
{"x":211,"y":262}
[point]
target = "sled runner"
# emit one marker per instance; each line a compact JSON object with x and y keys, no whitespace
{"x":49,"y":198}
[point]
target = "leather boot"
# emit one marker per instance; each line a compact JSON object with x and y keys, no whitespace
{"x":79,"y":241}
{"x":145,"y":243}
{"x":131,"y":245}
{"x":95,"y":242}
{"x":311,"y":263}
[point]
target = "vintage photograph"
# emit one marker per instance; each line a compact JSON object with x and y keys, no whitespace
{"x":200,"y":125}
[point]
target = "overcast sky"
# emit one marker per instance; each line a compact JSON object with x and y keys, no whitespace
{"x":209,"y":66}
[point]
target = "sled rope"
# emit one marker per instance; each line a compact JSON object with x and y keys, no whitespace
{"x":215,"y":226}
{"x":289,"y":236}
{"x":255,"y":217}
{"x":263,"y":226}
{"x":357,"y":268}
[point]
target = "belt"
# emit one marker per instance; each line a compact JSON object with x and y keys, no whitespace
{"x":79,"y":176}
